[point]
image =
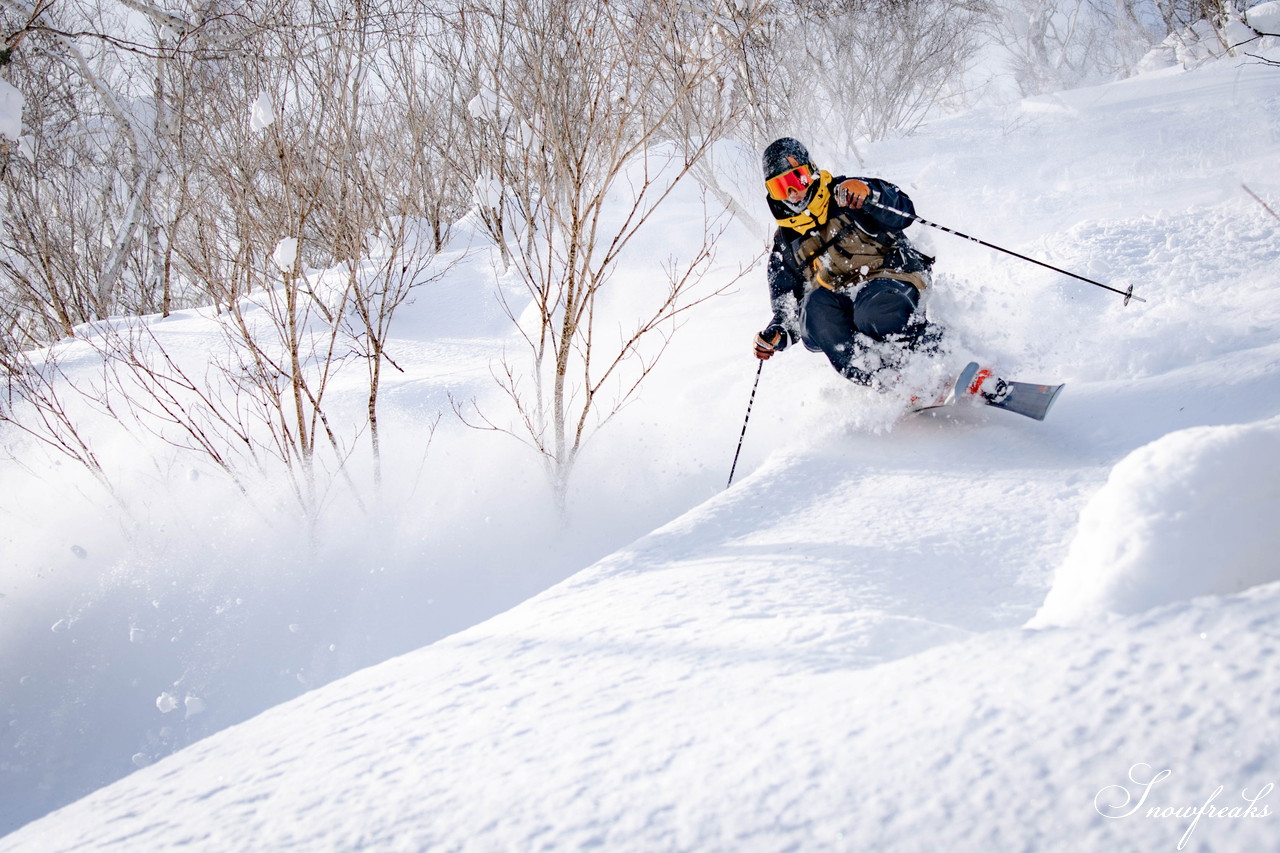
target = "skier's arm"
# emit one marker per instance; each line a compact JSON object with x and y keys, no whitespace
{"x":786,"y":286}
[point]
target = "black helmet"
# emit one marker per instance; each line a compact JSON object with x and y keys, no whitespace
{"x":783,"y":155}
{"x":789,"y":175}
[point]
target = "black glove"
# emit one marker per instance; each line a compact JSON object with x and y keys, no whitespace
{"x":773,"y":339}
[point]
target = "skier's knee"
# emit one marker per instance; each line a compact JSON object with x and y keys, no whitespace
{"x":825,"y":321}
{"x":884,"y":307}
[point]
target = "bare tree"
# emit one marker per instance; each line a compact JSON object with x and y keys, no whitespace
{"x":853,"y":70}
{"x":306,"y":187}
{"x":1056,"y":44}
{"x":376,"y":289}
{"x":591,"y":98}
{"x":40,"y":401}
{"x":166,"y":197}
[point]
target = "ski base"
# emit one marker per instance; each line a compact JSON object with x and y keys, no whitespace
{"x":1028,"y":399}
{"x":1023,"y":398}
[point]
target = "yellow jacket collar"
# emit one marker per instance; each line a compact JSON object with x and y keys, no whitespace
{"x":815,"y":213}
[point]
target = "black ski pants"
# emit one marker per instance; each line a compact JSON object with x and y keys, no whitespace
{"x":883,"y":308}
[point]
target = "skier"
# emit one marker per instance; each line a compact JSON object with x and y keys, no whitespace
{"x":842,"y":275}
{"x":843,"y":278}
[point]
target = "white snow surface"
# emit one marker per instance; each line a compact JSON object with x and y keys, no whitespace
{"x":1265,"y":17}
{"x":11,"y":102}
{"x":1181,"y":517}
{"x":262,"y":113}
{"x":833,"y":654}
{"x":285,"y":254}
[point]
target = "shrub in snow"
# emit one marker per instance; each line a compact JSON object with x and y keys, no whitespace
{"x":1204,"y":41}
{"x":1190,"y":514}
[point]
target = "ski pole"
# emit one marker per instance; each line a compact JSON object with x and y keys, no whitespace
{"x":1265,"y":206}
{"x":1127,"y":294}
{"x":750,"y":403}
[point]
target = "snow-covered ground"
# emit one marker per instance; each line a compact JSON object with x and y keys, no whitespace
{"x":962,"y":630}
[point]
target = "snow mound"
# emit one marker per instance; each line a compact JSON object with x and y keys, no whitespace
{"x":1187,"y":515}
{"x":1265,"y":17}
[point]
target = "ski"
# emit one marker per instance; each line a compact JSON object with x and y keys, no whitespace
{"x":1023,"y":398}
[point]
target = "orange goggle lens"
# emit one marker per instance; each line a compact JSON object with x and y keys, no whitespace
{"x":796,"y":179}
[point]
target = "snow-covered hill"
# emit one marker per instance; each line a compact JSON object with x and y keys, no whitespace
{"x":835,"y":653}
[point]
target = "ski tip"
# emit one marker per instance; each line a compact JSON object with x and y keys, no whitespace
{"x":1048,"y":395}
{"x":1053,"y":398}
{"x":1028,"y":399}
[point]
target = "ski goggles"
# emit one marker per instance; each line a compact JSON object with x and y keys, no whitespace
{"x":797,"y":179}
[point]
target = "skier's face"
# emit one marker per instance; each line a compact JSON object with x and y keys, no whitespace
{"x":791,"y":186}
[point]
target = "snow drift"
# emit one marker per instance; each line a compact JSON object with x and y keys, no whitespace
{"x":1192,"y":513}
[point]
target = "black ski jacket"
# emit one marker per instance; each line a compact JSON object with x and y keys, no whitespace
{"x":789,"y":281}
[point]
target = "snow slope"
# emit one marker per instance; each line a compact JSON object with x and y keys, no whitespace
{"x":832,"y":655}
{"x":654,"y":704}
